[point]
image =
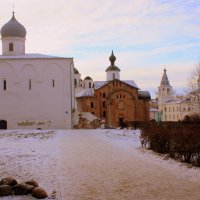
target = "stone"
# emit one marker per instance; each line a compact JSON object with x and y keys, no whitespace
{"x":22,"y":189}
{"x":32,"y":182}
{"x":5,"y":190}
{"x":39,"y":193}
{"x":8,"y":181}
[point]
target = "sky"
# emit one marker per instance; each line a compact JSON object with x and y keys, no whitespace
{"x":145,"y":35}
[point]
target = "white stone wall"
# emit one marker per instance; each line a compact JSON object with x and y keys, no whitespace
{"x":18,"y":46}
{"x":109,"y":75}
{"x":47,"y":104}
{"x":176,"y":111}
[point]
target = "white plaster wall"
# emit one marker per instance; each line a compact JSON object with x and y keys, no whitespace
{"x":87,"y":82}
{"x":109,"y":75}
{"x":44,"y":106}
{"x":18,"y":44}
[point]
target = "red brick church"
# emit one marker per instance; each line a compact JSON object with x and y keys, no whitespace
{"x":114,"y":100}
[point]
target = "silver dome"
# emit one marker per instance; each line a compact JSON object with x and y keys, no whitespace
{"x":13,"y":29}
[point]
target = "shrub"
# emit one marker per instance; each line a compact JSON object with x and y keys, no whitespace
{"x":180,"y":140}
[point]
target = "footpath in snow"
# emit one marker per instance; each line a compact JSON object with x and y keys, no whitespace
{"x":94,"y":165}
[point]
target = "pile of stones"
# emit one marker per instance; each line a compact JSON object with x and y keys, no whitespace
{"x":9,"y":186}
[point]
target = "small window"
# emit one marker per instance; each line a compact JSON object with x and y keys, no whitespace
{"x":104,"y":114}
{"x":10,"y":46}
{"x":4,"y":85}
{"x":93,"y":113}
{"x":90,"y":84}
{"x":92,"y":105}
{"x":75,"y":82}
{"x":53,"y":83}
{"x":104,"y":104}
{"x":29,"y":85}
{"x":104,"y":95}
{"x":113,"y":76}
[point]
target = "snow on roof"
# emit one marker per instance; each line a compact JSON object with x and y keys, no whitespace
{"x":131,"y":83}
{"x":99,"y":84}
{"x":153,"y":110}
{"x":89,"y":92}
{"x":31,"y":56}
{"x":178,"y":100}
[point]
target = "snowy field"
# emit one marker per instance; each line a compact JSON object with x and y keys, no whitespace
{"x":94,"y":165}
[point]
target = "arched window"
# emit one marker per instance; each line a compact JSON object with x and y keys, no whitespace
{"x":11,"y":47}
{"x":75,"y":82}
{"x":92,"y":105}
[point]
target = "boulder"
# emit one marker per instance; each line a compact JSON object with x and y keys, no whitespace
{"x":39,"y":193}
{"x":22,"y":189}
{"x":32,"y":182}
{"x":5,"y":190}
{"x":8,"y":181}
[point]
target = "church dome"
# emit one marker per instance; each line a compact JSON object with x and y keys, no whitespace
{"x":112,"y":67}
{"x":88,"y":78}
{"x":13,"y":29}
{"x":76,"y":71}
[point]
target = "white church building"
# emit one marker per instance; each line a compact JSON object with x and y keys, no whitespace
{"x":171,"y":107}
{"x":36,"y":90}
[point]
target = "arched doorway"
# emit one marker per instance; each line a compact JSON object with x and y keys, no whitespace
{"x":3,"y":124}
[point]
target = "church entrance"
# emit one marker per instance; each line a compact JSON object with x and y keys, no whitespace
{"x":3,"y":124}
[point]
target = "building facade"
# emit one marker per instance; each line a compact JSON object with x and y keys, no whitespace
{"x":172,"y":108}
{"x":113,"y":100}
{"x":36,"y":90}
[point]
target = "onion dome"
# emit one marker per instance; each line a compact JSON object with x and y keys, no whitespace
{"x":88,"y":78}
{"x":164,"y":80}
{"x":76,"y":71}
{"x":13,"y":29}
{"x":112,"y":59}
{"x":112,"y":67}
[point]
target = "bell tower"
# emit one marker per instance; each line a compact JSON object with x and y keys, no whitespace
{"x":165,"y":92}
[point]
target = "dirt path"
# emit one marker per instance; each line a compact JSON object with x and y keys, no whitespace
{"x":95,"y":168}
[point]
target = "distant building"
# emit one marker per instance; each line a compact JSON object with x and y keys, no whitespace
{"x":36,"y":90}
{"x":172,"y":108}
{"x":115,"y":101}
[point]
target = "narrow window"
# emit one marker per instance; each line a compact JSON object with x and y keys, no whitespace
{"x":75,"y":82}
{"x":4,"y":85}
{"x":104,"y":95}
{"x":104,"y":104}
{"x":92,"y":105}
{"x":53,"y":83}
{"x":113,"y":76}
{"x":29,"y":85}
{"x":104,"y":114}
{"x":10,"y":46}
{"x":90,"y":84}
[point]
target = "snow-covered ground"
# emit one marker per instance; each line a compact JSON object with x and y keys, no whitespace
{"x":101,"y":164}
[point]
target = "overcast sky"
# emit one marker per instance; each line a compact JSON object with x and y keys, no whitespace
{"x":146,"y":36}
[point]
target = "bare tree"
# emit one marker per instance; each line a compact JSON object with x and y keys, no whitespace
{"x":193,"y":90}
